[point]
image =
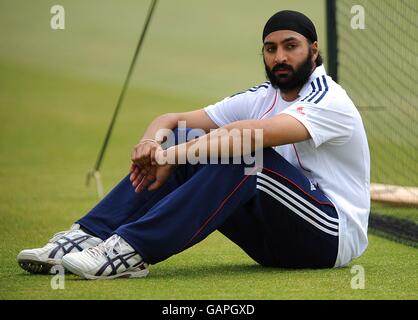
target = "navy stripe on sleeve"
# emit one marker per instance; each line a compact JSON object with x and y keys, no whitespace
{"x":323,"y":88}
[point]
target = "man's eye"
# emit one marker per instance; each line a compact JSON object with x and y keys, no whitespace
{"x":270,"y":49}
{"x":291,"y":46}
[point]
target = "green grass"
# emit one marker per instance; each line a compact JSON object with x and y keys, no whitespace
{"x":216,"y":269}
{"x":45,"y":152}
{"x":58,"y":90}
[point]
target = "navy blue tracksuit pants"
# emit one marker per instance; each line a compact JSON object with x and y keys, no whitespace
{"x":276,"y":216}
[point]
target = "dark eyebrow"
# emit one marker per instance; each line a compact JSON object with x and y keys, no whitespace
{"x":290,"y":39}
{"x":269,"y":43}
{"x":283,"y":41}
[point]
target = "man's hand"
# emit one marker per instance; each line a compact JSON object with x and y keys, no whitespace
{"x":154,"y":178}
{"x":144,"y":153}
{"x":145,"y":172}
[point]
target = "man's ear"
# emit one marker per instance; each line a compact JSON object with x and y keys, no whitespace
{"x":315,"y":51}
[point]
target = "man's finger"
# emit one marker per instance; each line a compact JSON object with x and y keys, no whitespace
{"x":137,"y":183}
{"x":155,"y":185}
{"x":135,"y":174}
{"x":147,"y":179}
{"x":134,"y":153}
{"x":137,"y":180}
{"x":138,"y":153}
{"x":142,"y":185}
{"x":152,"y":157}
{"x":132,"y":167}
{"x":143,"y":172}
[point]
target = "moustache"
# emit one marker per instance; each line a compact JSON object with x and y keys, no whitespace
{"x":282,"y":66}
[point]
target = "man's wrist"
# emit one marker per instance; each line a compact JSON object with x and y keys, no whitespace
{"x":149,"y":140}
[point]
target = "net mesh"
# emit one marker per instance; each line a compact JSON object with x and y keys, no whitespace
{"x":378,"y":67}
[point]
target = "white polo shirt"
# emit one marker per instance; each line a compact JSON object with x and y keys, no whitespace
{"x":336,"y":158}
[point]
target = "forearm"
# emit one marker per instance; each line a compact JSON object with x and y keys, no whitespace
{"x":161,"y":127}
{"x":235,"y":139}
{"x":241,"y":138}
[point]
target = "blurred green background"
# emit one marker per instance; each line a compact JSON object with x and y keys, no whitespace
{"x":58,"y":90}
{"x":204,"y":49}
{"x":378,"y":66}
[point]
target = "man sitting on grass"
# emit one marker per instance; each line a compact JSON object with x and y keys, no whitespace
{"x":305,"y":205}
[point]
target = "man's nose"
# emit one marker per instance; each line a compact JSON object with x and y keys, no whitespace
{"x":280,"y":57}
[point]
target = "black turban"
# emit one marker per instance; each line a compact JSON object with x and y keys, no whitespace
{"x":291,"y":20}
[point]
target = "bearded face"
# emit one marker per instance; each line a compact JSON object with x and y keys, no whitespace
{"x":286,"y":77}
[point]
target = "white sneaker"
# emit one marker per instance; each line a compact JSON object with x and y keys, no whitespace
{"x":41,"y":260}
{"x":111,"y":259}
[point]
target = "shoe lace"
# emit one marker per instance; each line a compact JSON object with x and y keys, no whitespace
{"x":106,"y":248}
{"x":58,"y":235}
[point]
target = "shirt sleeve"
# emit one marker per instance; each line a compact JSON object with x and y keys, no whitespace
{"x":230,"y":109}
{"x":326,"y":124}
